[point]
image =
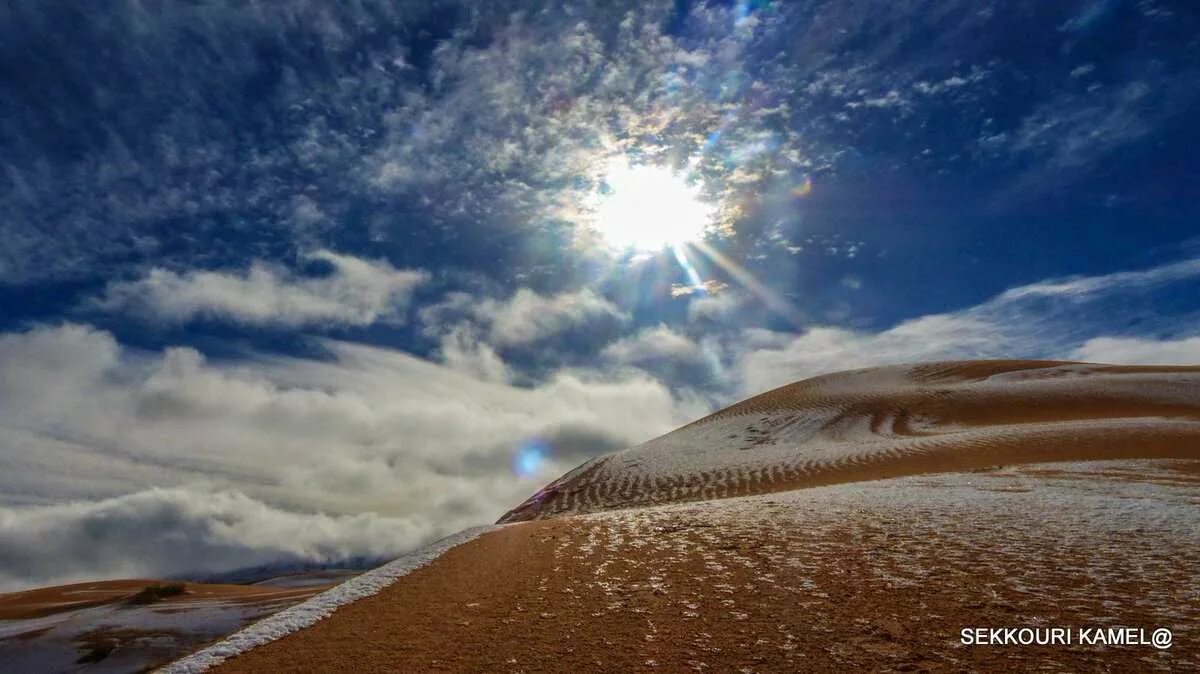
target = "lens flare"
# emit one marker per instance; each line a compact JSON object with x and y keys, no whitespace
{"x":803,"y":188}
{"x":530,"y":458}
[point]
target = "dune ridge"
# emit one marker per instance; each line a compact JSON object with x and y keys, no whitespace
{"x":893,"y":421}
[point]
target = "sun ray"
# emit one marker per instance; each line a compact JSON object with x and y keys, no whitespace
{"x":773,"y":300}
{"x":688,"y":268}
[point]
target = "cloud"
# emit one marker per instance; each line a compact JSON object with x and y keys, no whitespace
{"x":829,"y":349}
{"x":175,"y":532}
{"x":422,"y":445}
{"x":704,"y":288}
{"x":355,"y":292}
{"x":526,"y":317}
{"x":688,"y":365}
{"x":1135,"y":351}
{"x":1083,"y":287}
{"x":657,"y":343}
{"x":462,"y":351}
{"x":717,"y":308}
{"x":393,"y":450}
{"x":1057,"y":319}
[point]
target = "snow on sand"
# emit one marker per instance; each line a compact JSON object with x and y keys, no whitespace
{"x":893,"y":421}
{"x":319,"y":607}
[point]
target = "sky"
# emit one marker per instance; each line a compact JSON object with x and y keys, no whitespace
{"x":312,"y":283}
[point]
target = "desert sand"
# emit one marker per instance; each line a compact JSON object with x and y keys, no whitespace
{"x":858,"y":520}
{"x":106,"y":626}
{"x":46,"y":601}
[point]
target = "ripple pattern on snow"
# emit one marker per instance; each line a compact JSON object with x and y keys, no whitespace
{"x":893,"y":421}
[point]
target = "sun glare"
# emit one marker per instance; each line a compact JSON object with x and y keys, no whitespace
{"x":647,"y":208}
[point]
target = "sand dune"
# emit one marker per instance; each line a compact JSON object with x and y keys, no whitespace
{"x":46,"y":601}
{"x":105,"y":626}
{"x":893,"y":421}
{"x":855,"y":521}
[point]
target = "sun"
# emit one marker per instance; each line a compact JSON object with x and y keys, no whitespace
{"x":647,"y":208}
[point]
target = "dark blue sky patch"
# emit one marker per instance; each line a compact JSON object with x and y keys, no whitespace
{"x":1008,"y":143}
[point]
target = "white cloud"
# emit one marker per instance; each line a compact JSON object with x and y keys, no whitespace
{"x":657,"y":343}
{"x":528,"y":317}
{"x":462,"y":351}
{"x":1083,"y":287}
{"x":427,"y":448}
{"x":170,"y":532}
{"x":689,"y":365}
{"x":1082,"y":70}
{"x":1073,"y":130}
{"x":524,"y":318}
{"x":1138,"y":351}
{"x":719,"y":307}
{"x":357,"y":292}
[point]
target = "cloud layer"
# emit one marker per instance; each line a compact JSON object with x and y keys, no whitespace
{"x":354,"y":292}
{"x":366,"y":430}
{"x":183,"y":532}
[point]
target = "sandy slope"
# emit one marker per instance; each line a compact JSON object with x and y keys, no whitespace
{"x":977,"y":494}
{"x":876,"y":576}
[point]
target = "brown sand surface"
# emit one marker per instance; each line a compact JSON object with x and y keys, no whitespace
{"x":44,"y":601}
{"x":876,"y":576}
{"x":888,"y":422}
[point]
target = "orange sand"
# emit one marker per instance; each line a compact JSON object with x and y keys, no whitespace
{"x":774,"y":585}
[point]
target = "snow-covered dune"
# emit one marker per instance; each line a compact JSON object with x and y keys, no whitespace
{"x":893,"y":421}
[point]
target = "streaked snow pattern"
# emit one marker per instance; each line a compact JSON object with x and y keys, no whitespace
{"x":894,"y":421}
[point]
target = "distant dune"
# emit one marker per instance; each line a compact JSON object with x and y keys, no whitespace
{"x":47,"y":601}
{"x":132,"y":624}
{"x":854,"y":521}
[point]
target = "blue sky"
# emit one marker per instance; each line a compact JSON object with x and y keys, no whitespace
{"x":303,"y":281}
